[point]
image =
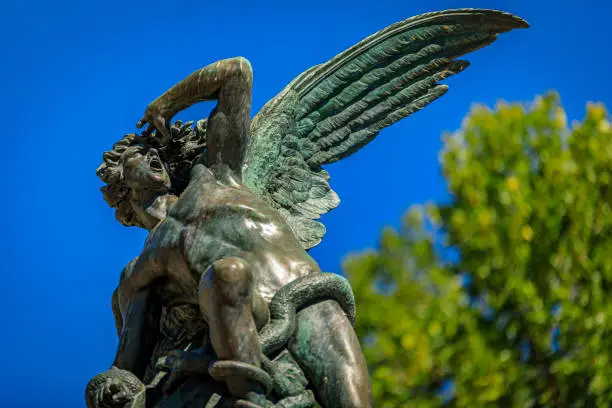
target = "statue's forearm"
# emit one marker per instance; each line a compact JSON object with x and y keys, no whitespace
{"x":229,"y":82}
{"x":138,"y":335}
{"x":201,"y":85}
{"x":204,"y":84}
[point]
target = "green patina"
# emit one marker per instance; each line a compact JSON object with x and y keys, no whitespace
{"x":227,"y":210}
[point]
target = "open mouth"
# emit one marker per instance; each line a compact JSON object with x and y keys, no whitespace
{"x":155,"y":164}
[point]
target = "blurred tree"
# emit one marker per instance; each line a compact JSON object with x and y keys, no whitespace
{"x":499,"y":298}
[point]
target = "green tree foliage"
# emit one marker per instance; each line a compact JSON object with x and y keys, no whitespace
{"x":499,"y":298}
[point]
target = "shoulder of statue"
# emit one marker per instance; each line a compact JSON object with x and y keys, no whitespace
{"x":128,"y":269}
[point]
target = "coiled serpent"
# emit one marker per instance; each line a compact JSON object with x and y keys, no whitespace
{"x":296,"y":295}
{"x":285,"y":305}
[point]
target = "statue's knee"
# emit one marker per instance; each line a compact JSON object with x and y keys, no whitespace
{"x":228,"y":280}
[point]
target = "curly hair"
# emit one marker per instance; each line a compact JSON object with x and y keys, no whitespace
{"x":186,"y":146}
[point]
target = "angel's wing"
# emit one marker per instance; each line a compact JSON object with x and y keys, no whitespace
{"x":334,"y":109}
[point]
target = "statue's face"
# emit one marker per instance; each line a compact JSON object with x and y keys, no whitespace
{"x":144,"y":170}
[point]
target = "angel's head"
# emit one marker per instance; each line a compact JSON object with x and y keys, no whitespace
{"x":138,"y":170}
{"x":142,"y":170}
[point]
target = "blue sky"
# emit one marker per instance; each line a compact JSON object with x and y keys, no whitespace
{"x":77,"y":75}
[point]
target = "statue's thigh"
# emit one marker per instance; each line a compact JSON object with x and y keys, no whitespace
{"x":228,"y":282}
{"x":328,"y":350}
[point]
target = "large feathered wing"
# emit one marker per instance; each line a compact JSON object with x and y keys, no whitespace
{"x":333,"y":109}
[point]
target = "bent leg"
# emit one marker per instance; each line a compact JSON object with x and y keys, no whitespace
{"x":225,"y":298}
{"x":326,"y":347}
{"x":226,"y":295}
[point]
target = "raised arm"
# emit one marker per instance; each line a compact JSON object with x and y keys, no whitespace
{"x":228,"y":81}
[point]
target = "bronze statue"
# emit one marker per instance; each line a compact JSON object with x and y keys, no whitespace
{"x":224,"y":305}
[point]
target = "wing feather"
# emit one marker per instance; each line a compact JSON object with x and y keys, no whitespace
{"x":333,"y":109}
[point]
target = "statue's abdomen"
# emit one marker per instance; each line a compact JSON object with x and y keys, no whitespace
{"x":252,"y":233}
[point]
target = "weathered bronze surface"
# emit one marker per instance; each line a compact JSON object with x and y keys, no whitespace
{"x":224,"y":306}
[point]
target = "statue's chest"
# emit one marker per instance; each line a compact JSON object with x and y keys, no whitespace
{"x":166,"y":235}
{"x":213,"y":238}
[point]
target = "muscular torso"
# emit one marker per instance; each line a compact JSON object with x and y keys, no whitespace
{"x":211,"y":221}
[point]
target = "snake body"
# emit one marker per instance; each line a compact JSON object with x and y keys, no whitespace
{"x":295,"y":296}
{"x":285,"y":305}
